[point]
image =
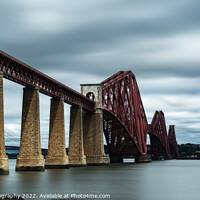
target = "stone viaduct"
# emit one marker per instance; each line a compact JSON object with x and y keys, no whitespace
{"x":86,"y":146}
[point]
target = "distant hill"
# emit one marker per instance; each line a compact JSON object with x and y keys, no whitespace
{"x":189,"y":150}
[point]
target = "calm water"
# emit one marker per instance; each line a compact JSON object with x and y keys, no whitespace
{"x":158,"y":180}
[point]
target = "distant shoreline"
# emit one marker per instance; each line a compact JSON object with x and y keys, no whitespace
{"x":183,"y":158}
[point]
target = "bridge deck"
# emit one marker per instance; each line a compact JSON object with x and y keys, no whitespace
{"x":23,"y":74}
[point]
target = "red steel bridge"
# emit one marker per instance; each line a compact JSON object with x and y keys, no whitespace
{"x":124,"y":120}
{"x":172,"y":142}
{"x":158,"y":136}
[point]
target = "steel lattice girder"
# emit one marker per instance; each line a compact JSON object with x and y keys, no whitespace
{"x":118,"y":139}
{"x":158,"y":135}
{"x":172,"y":141}
{"x":125,"y":123}
{"x":23,"y":74}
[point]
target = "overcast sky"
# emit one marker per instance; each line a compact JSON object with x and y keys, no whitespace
{"x":86,"y":41}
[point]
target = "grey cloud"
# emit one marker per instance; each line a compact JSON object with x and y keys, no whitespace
{"x":91,"y":40}
{"x":170,"y":85}
{"x":108,"y":32}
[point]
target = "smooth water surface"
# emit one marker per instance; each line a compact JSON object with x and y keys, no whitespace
{"x":158,"y":180}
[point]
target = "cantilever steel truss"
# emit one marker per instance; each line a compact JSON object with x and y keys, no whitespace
{"x":125,"y":123}
{"x":172,"y":142}
{"x":158,"y":135}
{"x":23,"y":74}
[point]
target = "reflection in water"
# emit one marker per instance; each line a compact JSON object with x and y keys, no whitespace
{"x":166,"y":180}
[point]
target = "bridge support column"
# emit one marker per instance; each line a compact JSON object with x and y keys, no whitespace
{"x":76,"y":150}
{"x":4,"y":168}
{"x":143,"y":159}
{"x":93,"y":139}
{"x":93,"y":127}
{"x":168,"y":157}
{"x":30,"y":156}
{"x":56,"y":156}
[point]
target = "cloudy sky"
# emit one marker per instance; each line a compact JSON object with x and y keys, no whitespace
{"x":86,"y":41}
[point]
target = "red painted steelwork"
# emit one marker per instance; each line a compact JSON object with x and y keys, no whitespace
{"x":172,"y":142}
{"x":23,"y":74}
{"x":125,"y":123}
{"x":158,"y":135}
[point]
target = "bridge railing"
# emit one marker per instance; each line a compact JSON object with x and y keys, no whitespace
{"x":23,"y":74}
